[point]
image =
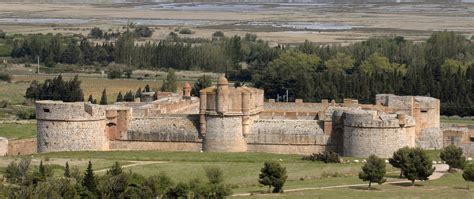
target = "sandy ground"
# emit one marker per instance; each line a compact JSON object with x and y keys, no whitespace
{"x":413,"y":21}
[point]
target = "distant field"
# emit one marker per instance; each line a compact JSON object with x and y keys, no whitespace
{"x":458,"y":121}
{"x":15,"y":91}
{"x":17,"y":131}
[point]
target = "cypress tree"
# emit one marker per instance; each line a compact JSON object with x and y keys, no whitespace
{"x":90,"y":99}
{"x":67,"y":172}
{"x":89,"y":179}
{"x":103,"y":98}
{"x":147,"y":88}
{"x":119,"y":97}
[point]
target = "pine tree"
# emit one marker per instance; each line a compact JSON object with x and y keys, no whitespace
{"x":418,"y":166}
{"x":453,"y":156}
{"x":103,"y":98}
{"x":89,"y":179}
{"x":116,"y":169}
{"x":119,"y":97}
{"x":373,"y":170}
{"x":67,"y":172}
{"x":273,"y":175}
{"x":399,"y":159}
{"x":468,"y":174}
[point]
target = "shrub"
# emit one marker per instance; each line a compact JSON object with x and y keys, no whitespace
{"x":273,"y":175}
{"x":5,"y":77}
{"x":114,"y":74}
{"x":468,"y":174}
{"x":96,"y":33}
{"x":186,"y":31}
{"x":143,"y":31}
{"x":218,"y":34}
{"x":453,"y":156}
{"x":326,"y":157}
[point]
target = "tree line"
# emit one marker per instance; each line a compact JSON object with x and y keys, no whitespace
{"x":441,"y":67}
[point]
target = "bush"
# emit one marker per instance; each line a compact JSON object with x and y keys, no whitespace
{"x":326,"y":157}
{"x":5,"y":77}
{"x":186,"y":31}
{"x":114,"y":74}
{"x":218,"y":34}
{"x":25,"y":113}
{"x":96,"y":33}
{"x":453,"y":156}
{"x":143,"y":31}
{"x":273,"y":175}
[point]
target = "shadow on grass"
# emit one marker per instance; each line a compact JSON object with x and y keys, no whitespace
{"x":406,"y":184}
{"x":461,"y":188}
{"x":364,"y":188}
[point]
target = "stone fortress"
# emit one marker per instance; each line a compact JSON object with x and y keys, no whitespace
{"x":228,"y":119}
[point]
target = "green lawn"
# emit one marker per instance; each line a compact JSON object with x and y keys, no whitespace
{"x":449,"y":186}
{"x":240,"y":169}
{"x":458,"y":121}
{"x":241,"y":173}
{"x":18,"y":131}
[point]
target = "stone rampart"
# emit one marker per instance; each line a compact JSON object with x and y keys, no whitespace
{"x":127,"y":145}
{"x":177,"y":128}
{"x":294,"y":107}
{"x":288,"y":137}
{"x":22,"y":146}
{"x":369,"y":132}
{"x":3,"y":146}
{"x":70,"y":126}
{"x":224,"y":134}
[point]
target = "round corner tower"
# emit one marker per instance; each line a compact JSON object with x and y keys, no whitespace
{"x":70,"y":126}
{"x":225,"y":114}
{"x":380,"y":134}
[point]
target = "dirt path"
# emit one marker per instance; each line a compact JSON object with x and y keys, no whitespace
{"x":440,"y":170}
{"x":134,"y":164}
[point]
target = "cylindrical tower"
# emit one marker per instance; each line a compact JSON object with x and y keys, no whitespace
{"x":369,"y":132}
{"x":76,"y":126}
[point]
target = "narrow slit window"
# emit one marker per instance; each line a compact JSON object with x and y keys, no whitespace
{"x":46,"y":110}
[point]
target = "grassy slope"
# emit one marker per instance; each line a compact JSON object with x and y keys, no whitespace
{"x":240,"y":169}
{"x":19,"y":131}
{"x":449,"y":186}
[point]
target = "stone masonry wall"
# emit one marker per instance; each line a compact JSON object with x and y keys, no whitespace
{"x":71,"y":136}
{"x":75,"y":126}
{"x":224,"y":134}
{"x":167,"y":128}
{"x":124,"y":145}
{"x":3,"y":146}
{"x":22,"y":146}
{"x":288,"y":137}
